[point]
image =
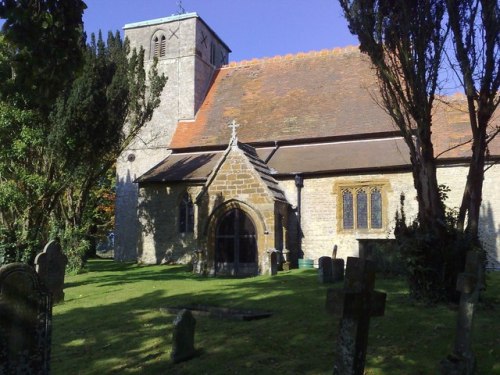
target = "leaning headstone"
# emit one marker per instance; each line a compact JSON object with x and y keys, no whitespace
{"x":51,"y":267}
{"x":183,"y":337}
{"x":325,"y":275}
{"x":462,"y":360}
{"x":26,"y":321}
{"x":355,"y":304}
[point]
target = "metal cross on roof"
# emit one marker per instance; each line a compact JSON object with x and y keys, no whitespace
{"x":233,"y":127}
{"x":181,"y":8}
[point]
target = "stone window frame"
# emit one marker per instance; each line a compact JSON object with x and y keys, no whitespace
{"x":186,"y":207}
{"x":158,"y":44}
{"x":366,"y":186}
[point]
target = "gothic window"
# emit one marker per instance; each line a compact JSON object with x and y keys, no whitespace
{"x":376,"y":208}
{"x":156,"y":46}
{"x":186,"y":215}
{"x":163,"y":45}
{"x":361,"y":207}
{"x":159,"y":45}
{"x":347,"y":212}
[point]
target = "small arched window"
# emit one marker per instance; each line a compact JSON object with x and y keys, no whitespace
{"x":158,"y":45}
{"x":186,"y":215}
{"x":163,"y":45}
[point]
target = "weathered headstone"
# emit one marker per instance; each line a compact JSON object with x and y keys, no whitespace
{"x":462,"y":360}
{"x":25,"y":323}
{"x":183,"y":336}
{"x":273,"y":262}
{"x":325,"y":274}
{"x":337,"y":266}
{"x":51,"y":267}
{"x":355,"y":305}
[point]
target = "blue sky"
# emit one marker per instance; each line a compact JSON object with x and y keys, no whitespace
{"x":251,"y":28}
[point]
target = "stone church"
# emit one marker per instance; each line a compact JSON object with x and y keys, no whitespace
{"x":289,"y":155}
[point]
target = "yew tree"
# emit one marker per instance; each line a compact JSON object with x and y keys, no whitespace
{"x":67,"y":109}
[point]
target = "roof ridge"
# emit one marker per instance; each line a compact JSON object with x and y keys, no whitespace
{"x":293,"y":56}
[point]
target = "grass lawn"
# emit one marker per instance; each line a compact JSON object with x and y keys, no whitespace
{"x":110,"y":323}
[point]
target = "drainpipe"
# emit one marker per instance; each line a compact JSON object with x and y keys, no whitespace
{"x":299,"y":183}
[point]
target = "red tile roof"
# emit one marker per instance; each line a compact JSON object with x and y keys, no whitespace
{"x":316,"y":95}
{"x":313,"y":95}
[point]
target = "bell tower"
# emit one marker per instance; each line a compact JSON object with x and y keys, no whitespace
{"x":188,"y":53}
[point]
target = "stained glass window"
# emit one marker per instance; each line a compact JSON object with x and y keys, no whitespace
{"x":376,"y":209}
{"x":347,"y":210}
{"x":362,"y":209}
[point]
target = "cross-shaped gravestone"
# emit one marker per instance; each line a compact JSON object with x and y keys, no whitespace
{"x":355,"y":305}
{"x":233,"y":125}
{"x":25,"y":321}
{"x":463,"y":361}
{"x":51,"y":267}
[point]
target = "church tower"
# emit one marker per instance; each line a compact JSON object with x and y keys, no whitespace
{"x":188,"y":52}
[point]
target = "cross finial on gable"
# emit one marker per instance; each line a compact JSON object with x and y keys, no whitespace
{"x":233,"y":125}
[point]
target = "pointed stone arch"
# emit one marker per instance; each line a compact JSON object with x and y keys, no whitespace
{"x":229,"y":248}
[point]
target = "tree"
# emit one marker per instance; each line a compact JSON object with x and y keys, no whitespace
{"x":47,"y":37}
{"x":111,"y":93}
{"x":475,"y":26}
{"x":405,"y":42}
{"x":60,"y":143}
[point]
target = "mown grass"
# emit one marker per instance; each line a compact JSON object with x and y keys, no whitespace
{"x":110,"y":323}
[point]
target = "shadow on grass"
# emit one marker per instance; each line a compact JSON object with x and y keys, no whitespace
{"x":131,"y":336}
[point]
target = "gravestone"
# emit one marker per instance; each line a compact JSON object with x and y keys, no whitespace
{"x":337,"y":266}
{"x":334,"y":252}
{"x":355,"y":305}
{"x":26,"y":321}
{"x":325,"y":270}
{"x":287,"y":265}
{"x":462,"y":360}
{"x":183,"y":337}
{"x":51,"y":267}
{"x":273,"y":262}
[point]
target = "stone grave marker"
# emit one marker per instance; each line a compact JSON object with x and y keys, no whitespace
{"x":325,"y":274}
{"x":337,"y":266}
{"x":334,"y":252}
{"x":183,"y":337}
{"x":273,"y":261}
{"x":355,"y":305}
{"x":26,"y":321}
{"x":462,"y":360}
{"x":51,"y":267}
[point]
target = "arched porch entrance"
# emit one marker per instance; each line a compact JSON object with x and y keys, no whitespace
{"x":236,"y":244}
